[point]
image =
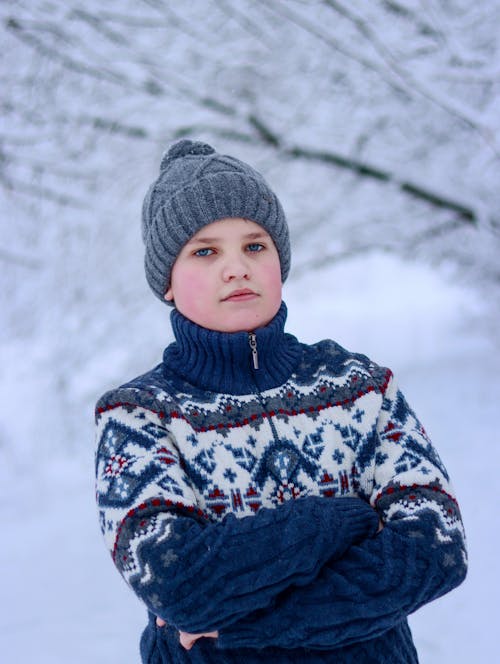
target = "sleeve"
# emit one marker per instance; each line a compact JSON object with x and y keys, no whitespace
{"x":418,"y":556}
{"x":195,"y":574}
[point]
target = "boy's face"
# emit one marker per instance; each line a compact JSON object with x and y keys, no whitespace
{"x":227,"y":277}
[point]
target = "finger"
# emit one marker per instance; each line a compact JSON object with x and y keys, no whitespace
{"x":186,"y":640}
{"x":160,"y":622}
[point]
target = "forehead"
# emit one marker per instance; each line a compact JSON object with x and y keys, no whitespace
{"x":228,"y":229}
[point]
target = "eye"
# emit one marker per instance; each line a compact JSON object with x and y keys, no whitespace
{"x":204,"y":252}
{"x":255,"y":246}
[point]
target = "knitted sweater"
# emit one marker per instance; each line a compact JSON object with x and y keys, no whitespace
{"x":240,"y":485}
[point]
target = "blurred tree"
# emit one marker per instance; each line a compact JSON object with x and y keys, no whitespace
{"x":376,"y":122}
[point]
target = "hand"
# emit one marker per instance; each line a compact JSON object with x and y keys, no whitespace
{"x":188,"y":640}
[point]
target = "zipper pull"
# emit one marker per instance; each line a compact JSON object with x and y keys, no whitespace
{"x":252,"y":340}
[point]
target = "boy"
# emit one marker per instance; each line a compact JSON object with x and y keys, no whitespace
{"x":268,"y":501}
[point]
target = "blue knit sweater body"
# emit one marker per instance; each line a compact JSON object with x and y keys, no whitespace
{"x":242,"y":487}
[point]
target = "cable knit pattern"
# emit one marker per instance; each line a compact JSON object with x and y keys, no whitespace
{"x":248,"y":501}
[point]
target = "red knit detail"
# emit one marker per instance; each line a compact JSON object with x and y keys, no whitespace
{"x":403,"y":487}
{"x":273,"y":413}
{"x":387,"y":380}
{"x":127,"y":404}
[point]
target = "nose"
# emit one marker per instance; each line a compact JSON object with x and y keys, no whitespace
{"x":235,"y":267}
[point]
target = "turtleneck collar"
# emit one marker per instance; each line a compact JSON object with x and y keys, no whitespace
{"x":224,"y":362}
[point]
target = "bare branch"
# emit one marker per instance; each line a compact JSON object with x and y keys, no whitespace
{"x":97,"y":25}
{"x":437,"y":200}
{"x":18,"y":259}
{"x":174,"y":19}
{"x":247,"y":24}
{"x":410,"y":82}
{"x":265,"y":134}
{"x":43,"y":193}
{"x":336,"y":159}
{"x":311,"y":28}
{"x":114,"y":127}
{"x":18,"y":29}
{"x":434,"y":232}
{"x":226,"y":133}
{"x":319,"y":262}
{"x":270,"y":138}
{"x":130,"y":21}
{"x":405,"y":12}
{"x":152,"y":85}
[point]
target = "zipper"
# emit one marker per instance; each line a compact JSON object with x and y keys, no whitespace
{"x":252,"y":340}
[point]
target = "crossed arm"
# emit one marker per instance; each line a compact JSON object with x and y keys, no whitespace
{"x":203,"y":576}
{"x":343,"y":593}
{"x":187,"y":640}
{"x":248,"y":579}
{"x":368,"y":590}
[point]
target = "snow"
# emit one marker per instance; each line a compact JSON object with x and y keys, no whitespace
{"x":62,"y":600}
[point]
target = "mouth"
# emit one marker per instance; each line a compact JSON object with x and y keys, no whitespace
{"x":240,"y":295}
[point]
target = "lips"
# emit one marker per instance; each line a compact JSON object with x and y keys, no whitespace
{"x":240,"y":295}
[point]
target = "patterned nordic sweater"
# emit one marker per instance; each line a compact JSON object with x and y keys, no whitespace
{"x":240,"y":485}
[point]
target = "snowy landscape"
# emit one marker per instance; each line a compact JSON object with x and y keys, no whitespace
{"x":377,"y":124}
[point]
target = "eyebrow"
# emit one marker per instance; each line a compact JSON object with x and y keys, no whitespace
{"x":256,"y":235}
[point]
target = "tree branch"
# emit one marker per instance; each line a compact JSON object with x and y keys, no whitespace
{"x":100,"y":73}
{"x":312,"y":29}
{"x":363,"y":169}
{"x":319,"y":262}
{"x":43,"y":193}
{"x":271,"y":139}
{"x":18,"y":259}
{"x":409,"y":81}
{"x":97,"y":24}
{"x":400,"y":10}
{"x":247,"y":24}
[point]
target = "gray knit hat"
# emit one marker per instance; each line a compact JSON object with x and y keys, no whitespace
{"x":197,"y":186}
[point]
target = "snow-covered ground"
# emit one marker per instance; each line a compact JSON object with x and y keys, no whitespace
{"x":62,"y":600}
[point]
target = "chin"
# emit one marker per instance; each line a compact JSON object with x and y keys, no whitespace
{"x":246,"y":323}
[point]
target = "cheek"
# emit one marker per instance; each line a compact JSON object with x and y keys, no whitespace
{"x":190,"y":290}
{"x":272,"y":277}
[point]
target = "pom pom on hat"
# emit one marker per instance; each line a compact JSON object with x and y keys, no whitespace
{"x":195,"y":187}
{"x":182,"y":149}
